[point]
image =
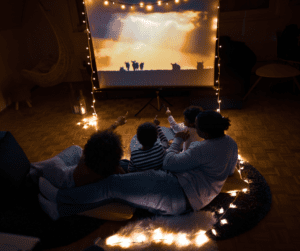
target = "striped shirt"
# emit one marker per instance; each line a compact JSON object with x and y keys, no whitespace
{"x":142,"y":160}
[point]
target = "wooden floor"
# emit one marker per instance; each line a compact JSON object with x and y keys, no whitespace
{"x":267,"y":131}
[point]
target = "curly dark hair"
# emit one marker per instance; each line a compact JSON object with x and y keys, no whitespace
{"x":191,"y":113}
{"x":213,"y":123}
{"x":147,"y":134}
{"x":103,"y":151}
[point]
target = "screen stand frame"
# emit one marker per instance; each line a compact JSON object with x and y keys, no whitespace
{"x":160,"y":105}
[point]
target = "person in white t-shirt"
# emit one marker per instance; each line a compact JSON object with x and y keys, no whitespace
{"x":190,"y":115}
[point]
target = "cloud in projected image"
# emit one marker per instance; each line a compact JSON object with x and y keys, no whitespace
{"x":157,"y":39}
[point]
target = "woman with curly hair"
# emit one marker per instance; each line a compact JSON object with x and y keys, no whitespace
{"x":76,"y":167}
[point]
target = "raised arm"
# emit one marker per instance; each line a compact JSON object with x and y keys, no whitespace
{"x":120,"y":121}
{"x":176,"y":127}
{"x":163,"y":139}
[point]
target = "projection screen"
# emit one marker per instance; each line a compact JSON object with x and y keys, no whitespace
{"x":154,"y":44}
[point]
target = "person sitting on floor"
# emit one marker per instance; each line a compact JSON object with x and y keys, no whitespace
{"x":99,"y":159}
{"x":190,"y":115}
{"x":188,"y":181}
{"x":152,"y":153}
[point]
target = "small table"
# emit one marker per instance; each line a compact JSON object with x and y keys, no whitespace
{"x":275,"y":71}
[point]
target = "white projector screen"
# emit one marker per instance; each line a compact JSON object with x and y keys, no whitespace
{"x":150,"y":41}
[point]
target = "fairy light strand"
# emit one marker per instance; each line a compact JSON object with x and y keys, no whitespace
{"x":219,"y":61}
{"x":93,"y":120}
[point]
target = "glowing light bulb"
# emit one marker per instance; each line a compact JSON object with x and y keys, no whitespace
{"x":219,"y":101}
{"x":83,"y":2}
{"x":92,"y":93}
{"x":241,"y":162}
{"x":157,"y":235}
{"x":94,"y":79}
{"x":125,"y":242}
{"x":83,"y":21}
{"x":78,"y":123}
{"x":84,"y":120}
{"x":168,"y":239}
{"x":232,"y":206}
{"x":94,"y":101}
{"x":140,"y":238}
{"x":233,"y":194}
{"x":220,"y":46}
{"x":112,"y":240}
{"x":214,"y":231}
{"x":221,"y":210}
{"x":89,"y":63}
{"x":217,"y":81}
{"x":82,"y":13}
{"x":201,"y":238}
{"x":224,"y":221}
{"x":94,"y":72}
{"x":106,"y":2}
{"x":218,"y":64}
{"x":245,"y":190}
{"x":177,"y":1}
{"x":166,"y":3}
{"x":141,"y":4}
{"x":181,"y":240}
{"x":131,"y":7}
{"x":85,"y":126}
{"x":218,"y":110}
{"x":86,"y":48}
{"x":241,"y":167}
{"x":123,"y":6}
{"x":149,"y":7}
{"x":159,"y":3}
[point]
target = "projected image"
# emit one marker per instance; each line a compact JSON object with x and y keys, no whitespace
{"x":172,"y":44}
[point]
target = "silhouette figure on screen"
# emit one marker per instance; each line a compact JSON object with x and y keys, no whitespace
{"x":127,"y":65}
{"x":135,"y":65}
{"x":142,"y":66}
{"x":200,"y":66}
{"x":175,"y":67}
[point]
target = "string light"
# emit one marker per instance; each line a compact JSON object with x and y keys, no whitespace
{"x":141,"y":4}
{"x":159,"y":3}
{"x":177,"y":1}
{"x":105,"y":2}
{"x":123,"y":6}
{"x":221,"y":210}
{"x":149,"y":7}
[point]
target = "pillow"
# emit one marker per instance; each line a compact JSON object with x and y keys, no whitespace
{"x":234,"y":183}
{"x":113,"y":211}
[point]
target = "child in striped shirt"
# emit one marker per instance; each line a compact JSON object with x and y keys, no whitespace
{"x":152,"y":153}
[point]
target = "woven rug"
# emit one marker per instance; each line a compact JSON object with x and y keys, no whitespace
{"x":249,"y":208}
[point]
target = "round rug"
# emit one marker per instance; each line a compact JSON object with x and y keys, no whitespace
{"x":248,"y":208}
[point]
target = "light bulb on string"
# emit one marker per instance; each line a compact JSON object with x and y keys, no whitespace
{"x":159,"y":3}
{"x":86,"y":48}
{"x":94,"y":78}
{"x":149,"y":7}
{"x":82,"y":13}
{"x":106,"y":2}
{"x":177,"y":1}
{"x":83,"y":21}
{"x":218,"y":110}
{"x":123,"y":6}
{"x":224,"y":221}
{"x":141,"y":4}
